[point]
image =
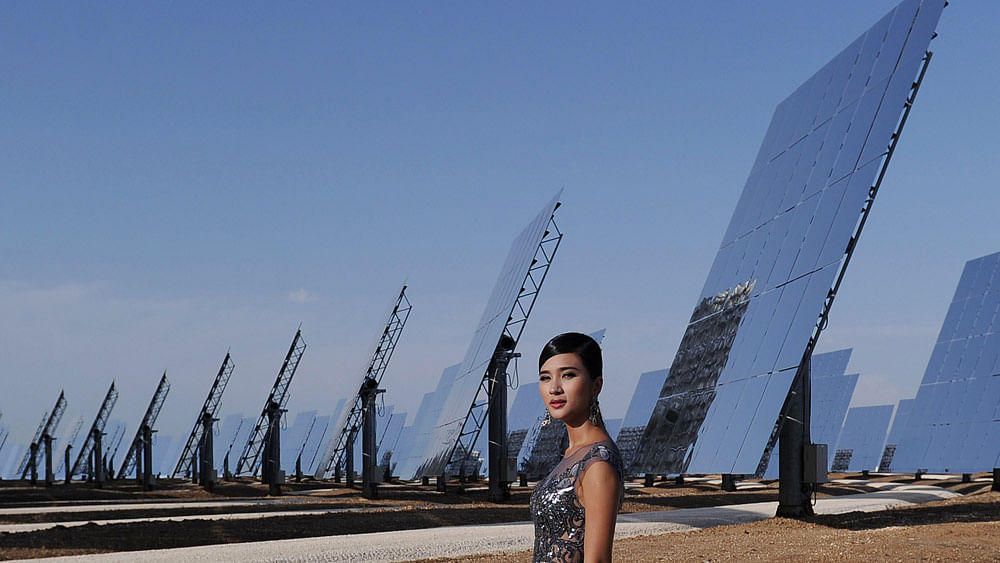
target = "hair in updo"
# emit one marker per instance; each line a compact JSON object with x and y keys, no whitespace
{"x":582,"y":345}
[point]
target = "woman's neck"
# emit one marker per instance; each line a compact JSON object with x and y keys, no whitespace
{"x":583,"y":433}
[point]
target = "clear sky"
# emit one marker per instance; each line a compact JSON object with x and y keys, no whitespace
{"x":180,"y":179}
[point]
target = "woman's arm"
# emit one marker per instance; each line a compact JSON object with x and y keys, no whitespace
{"x":598,"y":491}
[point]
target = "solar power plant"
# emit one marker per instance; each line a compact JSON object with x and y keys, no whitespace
{"x":899,"y":421}
{"x":311,"y":450}
{"x":114,"y":435}
{"x":525,"y":410}
{"x":103,"y":413}
{"x":402,"y":448}
{"x":388,"y":440}
{"x":859,"y":447}
{"x":249,"y":461}
{"x":644,"y":398}
{"x":349,"y":422}
{"x":210,"y":408}
{"x":293,"y":439}
{"x":425,"y":422}
{"x":226,"y":431}
{"x":955,"y":423}
{"x":383,"y":416}
{"x":492,"y":325}
{"x":830,"y":399}
{"x":542,"y":449}
{"x":781,"y":257}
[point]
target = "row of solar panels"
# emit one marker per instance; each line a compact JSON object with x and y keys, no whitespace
{"x":947,"y":435}
{"x":764,"y":302}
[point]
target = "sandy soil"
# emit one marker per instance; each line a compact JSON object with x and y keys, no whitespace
{"x":966,"y":528}
{"x":960,"y":529}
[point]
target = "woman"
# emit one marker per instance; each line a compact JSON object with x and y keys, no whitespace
{"x":574,"y":508}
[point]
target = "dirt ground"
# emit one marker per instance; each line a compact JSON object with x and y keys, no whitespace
{"x":964,"y":528}
{"x":960,"y":529}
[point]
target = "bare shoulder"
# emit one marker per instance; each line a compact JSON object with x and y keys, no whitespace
{"x":598,"y":485}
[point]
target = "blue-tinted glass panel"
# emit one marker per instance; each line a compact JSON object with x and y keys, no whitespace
{"x":741,"y":328}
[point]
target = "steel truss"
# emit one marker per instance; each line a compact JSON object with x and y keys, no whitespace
{"x":47,"y":428}
{"x":210,"y":407}
{"x":26,"y":460}
{"x":249,"y":461}
{"x":334,"y":456}
{"x":98,"y":426}
{"x":148,"y":420}
{"x":516,"y":320}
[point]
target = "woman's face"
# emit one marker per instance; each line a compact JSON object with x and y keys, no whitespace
{"x":566,"y":388}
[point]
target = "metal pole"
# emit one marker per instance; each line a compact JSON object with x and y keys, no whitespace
{"x":69,"y":468}
{"x":196,"y":467}
{"x":49,"y":473}
{"x":369,"y":392}
{"x":138,"y":461}
{"x":349,"y":461}
{"x":98,"y":459}
{"x":147,"y":454}
{"x":33,"y":463}
{"x":499,"y":490}
{"x":273,"y":453}
{"x":205,"y":451}
{"x":793,"y":492}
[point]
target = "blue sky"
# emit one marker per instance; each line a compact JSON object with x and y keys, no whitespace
{"x":181,"y":179}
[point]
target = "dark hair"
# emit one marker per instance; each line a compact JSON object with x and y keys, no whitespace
{"x":582,"y":345}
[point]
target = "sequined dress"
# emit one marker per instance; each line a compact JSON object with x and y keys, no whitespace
{"x":555,"y":508}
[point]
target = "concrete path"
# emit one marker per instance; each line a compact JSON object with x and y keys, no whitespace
{"x":458,"y":541}
{"x":166,"y":505}
{"x":35,"y":526}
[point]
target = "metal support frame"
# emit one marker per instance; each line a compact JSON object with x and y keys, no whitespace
{"x":271,"y":473}
{"x":793,"y":492}
{"x":499,"y":489}
{"x":148,"y":420}
{"x":66,"y":455}
{"x":211,"y":406}
{"x":30,"y":454}
{"x":147,"y":457}
{"x":98,"y":461}
{"x":516,"y":321}
{"x":369,"y":464}
{"x":44,"y":436}
{"x":50,"y":476}
{"x":94,"y":436}
{"x":349,"y":461}
{"x":335,"y":454}
{"x":205,"y":453}
{"x":32,"y":468}
{"x":729,"y":482}
{"x":250,"y":459}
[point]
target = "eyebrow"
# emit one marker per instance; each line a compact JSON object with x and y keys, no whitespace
{"x":562,"y":369}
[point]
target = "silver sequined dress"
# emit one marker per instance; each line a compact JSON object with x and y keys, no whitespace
{"x":555,"y":508}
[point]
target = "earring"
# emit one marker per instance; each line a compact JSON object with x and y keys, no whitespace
{"x":547,"y":419}
{"x":595,"y":413}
